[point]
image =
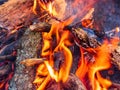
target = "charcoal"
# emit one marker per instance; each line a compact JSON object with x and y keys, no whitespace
{"x":58,"y":59}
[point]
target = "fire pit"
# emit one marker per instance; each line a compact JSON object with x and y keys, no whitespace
{"x":59,"y":45}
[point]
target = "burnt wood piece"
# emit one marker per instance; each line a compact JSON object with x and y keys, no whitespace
{"x":33,"y":61}
{"x":8,"y":49}
{"x":6,"y":73}
{"x":7,"y":57}
{"x":81,"y":38}
{"x":40,"y":27}
{"x":73,"y":83}
{"x":58,"y":60}
{"x":6,"y":69}
{"x":8,"y":38}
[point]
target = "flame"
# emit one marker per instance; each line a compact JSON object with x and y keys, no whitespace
{"x":49,"y":48}
{"x":34,"y":6}
{"x":62,"y":43}
{"x":46,"y":72}
{"x":117,"y":29}
{"x":49,"y":7}
{"x":102,"y":62}
{"x":83,"y":66}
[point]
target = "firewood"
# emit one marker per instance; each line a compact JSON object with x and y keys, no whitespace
{"x":8,"y":49}
{"x":116,"y":85}
{"x":7,"y":57}
{"x":80,"y":36}
{"x":5,"y":69}
{"x":33,"y":61}
{"x":10,"y":37}
{"x":40,"y":27}
{"x":58,"y":60}
{"x":73,"y":83}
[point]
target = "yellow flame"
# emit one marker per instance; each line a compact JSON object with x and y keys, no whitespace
{"x":49,"y":7}
{"x":102,"y":62}
{"x":34,"y":7}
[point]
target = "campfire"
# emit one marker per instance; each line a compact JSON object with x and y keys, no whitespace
{"x":72,"y":53}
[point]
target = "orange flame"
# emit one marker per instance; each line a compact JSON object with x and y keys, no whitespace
{"x":117,"y":29}
{"x":49,"y":7}
{"x":83,"y":67}
{"x":61,"y":45}
{"x":46,"y":71}
{"x":34,"y":6}
{"x":102,"y":62}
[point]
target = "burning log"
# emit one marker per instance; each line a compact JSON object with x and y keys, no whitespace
{"x":81,"y":37}
{"x":73,"y":83}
